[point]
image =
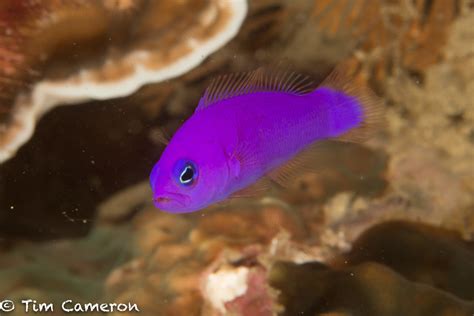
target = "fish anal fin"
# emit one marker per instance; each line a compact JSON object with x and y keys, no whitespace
{"x":310,"y":160}
{"x":256,"y":189}
{"x":263,"y":79}
{"x":372,"y":105}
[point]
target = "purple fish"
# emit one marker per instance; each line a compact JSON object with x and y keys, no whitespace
{"x":255,"y":126}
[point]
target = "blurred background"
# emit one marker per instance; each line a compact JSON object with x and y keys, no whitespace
{"x":87,"y":87}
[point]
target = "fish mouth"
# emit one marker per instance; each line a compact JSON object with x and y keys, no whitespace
{"x":168,"y":199}
{"x":162,"y":199}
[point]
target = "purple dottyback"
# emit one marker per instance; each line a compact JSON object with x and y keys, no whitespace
{"x":254,"y":126}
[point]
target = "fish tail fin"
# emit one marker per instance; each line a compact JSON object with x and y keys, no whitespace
{"x":354,"y":109}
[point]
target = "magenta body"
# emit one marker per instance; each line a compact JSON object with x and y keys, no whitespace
{"x":238,"y":140}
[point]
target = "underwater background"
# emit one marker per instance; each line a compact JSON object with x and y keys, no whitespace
{"x":87,"y":88}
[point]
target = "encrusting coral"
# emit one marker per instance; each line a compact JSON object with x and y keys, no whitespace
{"x":109,"y":60}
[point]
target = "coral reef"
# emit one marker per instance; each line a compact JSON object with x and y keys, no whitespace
{"x":115,"y":60}
{"x":386,"y":228}
{"x":61,"y":270}
{"x":395,"y":268}
{"x":366,"y":289}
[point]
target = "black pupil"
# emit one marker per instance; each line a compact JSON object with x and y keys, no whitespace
{"x":187,"y":175}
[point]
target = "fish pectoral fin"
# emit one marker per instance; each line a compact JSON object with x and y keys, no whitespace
{"x":311,"y":160}
{"x":160,"y":136}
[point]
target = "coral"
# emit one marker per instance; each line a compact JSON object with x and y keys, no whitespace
{"x":60,"y":270}
{"x":327,"y":244}
{"x":366,"y":289}
{"x":118,"y":61}
{"x":429,"y":265}
{"x":447,"y":263}
{"x":183,"y":250}
{"x":439,"y":113}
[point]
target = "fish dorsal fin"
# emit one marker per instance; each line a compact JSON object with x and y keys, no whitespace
{"x":263,"y":79}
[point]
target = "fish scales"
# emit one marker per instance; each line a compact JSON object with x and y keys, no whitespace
{"x":246,"y":128}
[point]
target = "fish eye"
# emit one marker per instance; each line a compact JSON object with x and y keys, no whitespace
{"x":188,"y":174}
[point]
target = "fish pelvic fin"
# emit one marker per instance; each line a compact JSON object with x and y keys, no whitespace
{"x":262,"y":79}
{"x":354,"y":92}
